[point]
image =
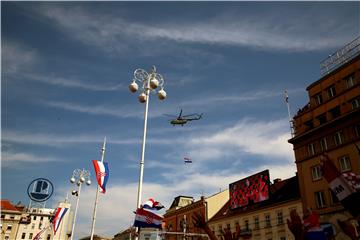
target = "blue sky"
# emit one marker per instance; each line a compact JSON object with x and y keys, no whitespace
{"x":65,"y":72}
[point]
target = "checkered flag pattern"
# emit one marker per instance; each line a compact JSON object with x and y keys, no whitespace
{"x":353,"y":179}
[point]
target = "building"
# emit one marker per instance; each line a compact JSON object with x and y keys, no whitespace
{"x":127,"y":234}
{"x":329,"y":122}
{"x":10,"y":218}
{"x":33,"y":220}
{"x":178,"y":218}
{"x":19,"y":222}
{"x":261,"y":220}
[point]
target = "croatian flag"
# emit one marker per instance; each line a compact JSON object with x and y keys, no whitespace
{"x":102,"y":174}
{"x":147,"y":219}
{"x":59,"y":214}
{"x":152,"y":205}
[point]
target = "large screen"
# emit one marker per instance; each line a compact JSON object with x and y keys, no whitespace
{"x":250,"y":190}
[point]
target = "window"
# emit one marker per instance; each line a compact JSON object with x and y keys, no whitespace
{"x":318,"y":99}
{"x":311,"y":149}
{"x":316,"y":173}
{"x":48,"y":237}
{"x":321,"y":118}
{"x":12,"y":217}
{"x":344,"y":162}
{"x":334,"y":199}
{"x":33,"y":226}
{"x":34,"y":218}
{"x":256,"y":223}
{"x":9,"y":227}
{"x":309,"y":124}
{"x":323,"y":144}
{"x":319,"y":199}
{"x":335,"y":112}
{"x":267,"y":220}
{"x":355,"y":103}
{"x":350,"y":80}
{"x":282,"y":238}
{"x":280,"y":219}
{"x":339,"y":138}
{"x":41,"y":218}
{"x":331,"y":91}
{"x":23,"y":235}
{"x":2,"y":216}
{"x":228,"y":226}
{"x":247,"y":225}
{"x":30,"y":235}
{"x":357,"y":130}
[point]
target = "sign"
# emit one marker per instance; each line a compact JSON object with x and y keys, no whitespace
{"x":40,"y":190}
{"x":250,"y":190}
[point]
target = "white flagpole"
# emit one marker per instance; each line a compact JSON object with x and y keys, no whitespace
{"x":286,"y":96}
{"x":97,"y":194}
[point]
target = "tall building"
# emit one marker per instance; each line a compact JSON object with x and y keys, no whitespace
{"x":329,"y":122}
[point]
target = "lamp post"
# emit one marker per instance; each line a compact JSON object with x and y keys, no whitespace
{"x":79,"y":176}
{"x":149,"y":82}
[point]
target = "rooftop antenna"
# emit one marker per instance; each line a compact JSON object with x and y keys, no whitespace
{"x":286,"y":98}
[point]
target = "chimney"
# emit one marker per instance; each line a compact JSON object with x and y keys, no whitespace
{"x":276,"y":180}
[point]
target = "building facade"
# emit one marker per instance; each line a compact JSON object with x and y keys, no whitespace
{"x":263,"y":220}
{"x":19,"y":222}
{"x":178,"y":218}
{"x":329,"y":123}
{"x":10,"y":219}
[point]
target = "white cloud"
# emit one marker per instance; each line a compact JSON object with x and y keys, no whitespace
{"x":248,"y":136}
{"x":16,"y":58}
{"x":72,"y":83}
{"x":13,"y":159}
{"x":265,"y":32}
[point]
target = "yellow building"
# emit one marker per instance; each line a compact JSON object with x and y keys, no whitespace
{"x":329,"y":122}
{"x":178,"y":218}
{"x":10,"y":218}
{"x":264,"y":220}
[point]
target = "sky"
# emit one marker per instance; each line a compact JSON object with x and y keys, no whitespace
{"x":65,"y":71}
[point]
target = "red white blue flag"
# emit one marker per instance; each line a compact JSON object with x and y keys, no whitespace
{"x":59,"y":214}
{"x":147,"y":219}
{"x":152,"y":205}
{"x":102,"y":174}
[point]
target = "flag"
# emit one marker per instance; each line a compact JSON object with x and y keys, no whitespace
{"x":37,"y":236}
{"x":59,"y":214}
{"x":353,"y":179}
{"x":152,"y":205}
{"x":102,"y":174}
{"x":147,"y":219}
{"x":342,"y":189}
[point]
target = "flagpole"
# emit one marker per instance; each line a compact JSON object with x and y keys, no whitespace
{"x":97,"y":194}
{"x":286,"y":96}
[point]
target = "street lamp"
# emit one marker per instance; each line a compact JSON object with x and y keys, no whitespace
{"x":79,"y":176}
{"x":148,"y":82}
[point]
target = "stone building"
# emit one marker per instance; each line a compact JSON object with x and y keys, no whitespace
{"x":329,"y":123}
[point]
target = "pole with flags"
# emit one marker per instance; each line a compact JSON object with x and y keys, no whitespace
{"x":98,"y":190}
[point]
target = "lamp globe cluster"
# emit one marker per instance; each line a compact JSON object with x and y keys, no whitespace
{"x":150,"y":82}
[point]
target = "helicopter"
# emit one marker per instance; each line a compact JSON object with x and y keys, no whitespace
{"x":181,"y":120}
